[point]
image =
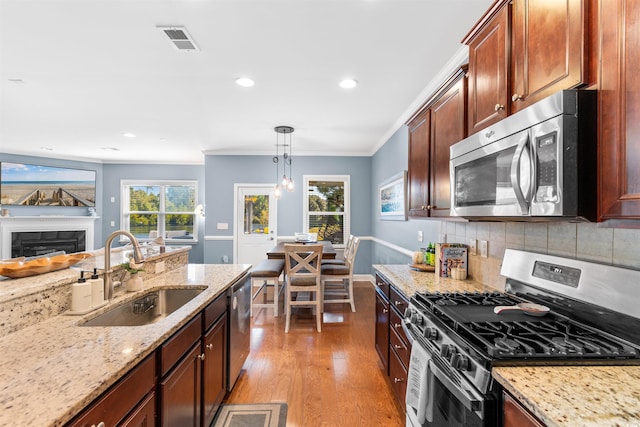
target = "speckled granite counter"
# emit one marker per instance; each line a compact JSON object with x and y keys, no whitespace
{"x":572,"y":396}
{"x":51,"y":370}
{"x":410,"y":281}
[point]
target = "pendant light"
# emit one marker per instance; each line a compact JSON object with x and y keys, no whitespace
{"x":286,"y":183}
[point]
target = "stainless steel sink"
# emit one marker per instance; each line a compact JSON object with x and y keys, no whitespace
{"x":148,"y":308}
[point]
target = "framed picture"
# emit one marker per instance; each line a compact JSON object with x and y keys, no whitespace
{"x":392,"y":196}
{"x":38,"y":185}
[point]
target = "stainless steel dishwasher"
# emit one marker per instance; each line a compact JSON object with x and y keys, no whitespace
{"x":239,"y":332}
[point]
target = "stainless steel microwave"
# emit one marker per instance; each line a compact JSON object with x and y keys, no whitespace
{"x":537,"y":164}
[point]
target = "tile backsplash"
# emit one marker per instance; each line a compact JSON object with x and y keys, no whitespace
{"x":587,"y":241}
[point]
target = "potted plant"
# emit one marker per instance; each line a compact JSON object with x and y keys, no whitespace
{"x":134,"y":282}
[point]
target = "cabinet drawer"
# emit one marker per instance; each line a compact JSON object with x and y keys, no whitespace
{"x":400,"y":347}
{"x":383,"y":286}
{"x":119,"y":400}
{"x":176,"y":346}
{"x":397,"y":300}
{"x":395,"y":324}
{"x":214,"y":310}
{"x":398,"y":378}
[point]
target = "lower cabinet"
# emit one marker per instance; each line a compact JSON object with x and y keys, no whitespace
{"x":516,"y":415}
{"x":189,"y":385}
{"x":391,"y":343}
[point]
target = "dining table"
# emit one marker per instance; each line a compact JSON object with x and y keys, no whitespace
{"x":328,"y":251}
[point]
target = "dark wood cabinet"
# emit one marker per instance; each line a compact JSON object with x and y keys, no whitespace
{"x":418,"y":175}
{"x":128,"y":396}
{"x":522,"y":51}
{"x":392,"y":345}
{"x":144,"y":415}
{"x":382,"y":329}
{"x":619,"y":111}
{"x":515,"y":415}
{"x":180,"y":391}
{"x":440,"y":124}
{"x":489,"y":100}
{"x":214,"y":373}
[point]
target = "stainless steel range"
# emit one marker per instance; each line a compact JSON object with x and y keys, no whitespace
{"x":585,"y":313}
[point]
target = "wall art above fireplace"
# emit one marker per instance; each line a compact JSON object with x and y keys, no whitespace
{"x":37,"y":185}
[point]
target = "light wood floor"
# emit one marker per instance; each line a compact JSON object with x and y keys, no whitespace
{"x":333,"y":378}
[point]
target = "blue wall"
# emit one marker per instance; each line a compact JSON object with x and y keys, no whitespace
{"x":222,"y":172}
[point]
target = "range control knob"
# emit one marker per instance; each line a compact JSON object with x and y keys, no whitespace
{"x":460,"y":362}
{"x":447,"y":351}
{"x":431,"y":334}
{"x":416,"y":319}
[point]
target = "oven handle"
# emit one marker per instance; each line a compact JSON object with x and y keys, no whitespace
{"x":515,"y":174}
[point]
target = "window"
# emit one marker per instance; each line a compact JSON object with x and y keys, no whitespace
{"x":326,"y":207}
{"x":160,"y":208}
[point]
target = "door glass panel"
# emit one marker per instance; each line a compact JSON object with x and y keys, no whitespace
{"x":256,"y":214}
{"x":485,"y":181}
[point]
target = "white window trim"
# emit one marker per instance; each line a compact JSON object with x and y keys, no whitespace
{"x":346,"y":179}
{"x":124,"y":197}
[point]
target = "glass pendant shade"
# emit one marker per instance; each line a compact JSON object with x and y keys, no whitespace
{"x":287,"y":181}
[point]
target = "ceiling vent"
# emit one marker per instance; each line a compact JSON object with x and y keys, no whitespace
{"x":179,"y":37}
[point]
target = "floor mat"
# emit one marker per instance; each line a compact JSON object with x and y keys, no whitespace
{"x":252,"y":415}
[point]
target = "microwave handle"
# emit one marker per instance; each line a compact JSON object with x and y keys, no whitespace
{"x":515,"y":174}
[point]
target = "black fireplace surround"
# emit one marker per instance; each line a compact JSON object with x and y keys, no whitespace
{"x":36,"y":243}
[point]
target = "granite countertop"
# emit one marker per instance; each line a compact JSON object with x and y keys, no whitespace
{"x":572,"y":396}
{"x":410,"y":281}
{"x":560,"y":396}
{"x":51,"y":370}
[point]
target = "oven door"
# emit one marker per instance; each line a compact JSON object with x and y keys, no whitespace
{"x":493,"y":179}
{"x":450,"y":400}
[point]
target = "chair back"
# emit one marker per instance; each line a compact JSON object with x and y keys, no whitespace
{"x":302,"y":261}
{"x":353,"y":249}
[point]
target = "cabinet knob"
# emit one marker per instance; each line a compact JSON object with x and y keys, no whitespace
{"x":385,"y":310}
{"x":397,"y":325}
{"x":515,"y":97}
{"x":398,"y":380}
{"x":397,"y":347}
{"x":209,"y":346}
{"x":498,"y":107}
{"x":397,"y":303}
{"x":201,"y":356}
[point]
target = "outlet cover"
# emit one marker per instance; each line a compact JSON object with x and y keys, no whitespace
{"x":420,"y":236}
{"x":484,"y":249}
{"x":473,"y":248}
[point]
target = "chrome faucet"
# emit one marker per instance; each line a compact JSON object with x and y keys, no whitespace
{"x":137,"y":256}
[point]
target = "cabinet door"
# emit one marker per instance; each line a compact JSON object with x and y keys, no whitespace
{"x":382,"y":330}
{"x":488,"y":71}
{"x":418,"y":176}
{"x":214,"y":378}
{"x":448,"y":126}
{"x":619,"y":97}
{"x":180,"y":392}
{"x":548,"y":47}
{"x":144,"y":415}
{"x":517,"y":416}
{"x":398,"y":377}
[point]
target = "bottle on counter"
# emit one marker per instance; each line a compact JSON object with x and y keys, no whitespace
{"x":432,"y":254}
{"x":81,"y":295}
{"x":97,"y":289}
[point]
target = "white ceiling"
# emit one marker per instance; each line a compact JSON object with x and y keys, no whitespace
{"x":91,"y":70}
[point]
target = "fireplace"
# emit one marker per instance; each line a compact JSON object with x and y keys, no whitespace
{"x":32,"y":236}
{"x":35,"y":243}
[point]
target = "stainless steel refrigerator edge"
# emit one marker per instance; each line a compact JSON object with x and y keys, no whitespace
{"x":239,"y":332}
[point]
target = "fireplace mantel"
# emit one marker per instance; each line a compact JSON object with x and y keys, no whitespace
{"x":12,"y":224}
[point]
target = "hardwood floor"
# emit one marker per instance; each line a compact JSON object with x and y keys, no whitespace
{"x":332,"y":378}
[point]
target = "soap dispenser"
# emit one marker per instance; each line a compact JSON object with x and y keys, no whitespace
{"x":81,"y":295}
{"x":97,"y":289}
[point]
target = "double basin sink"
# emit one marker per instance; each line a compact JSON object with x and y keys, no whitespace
{"x":150,"y":307}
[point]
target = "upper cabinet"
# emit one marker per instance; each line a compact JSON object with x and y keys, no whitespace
{"x":619,"y":110}
{"x":522,"y":51}
{"x":438,"y":125}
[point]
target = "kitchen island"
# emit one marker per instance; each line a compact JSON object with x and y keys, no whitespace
{"x":559,"y":396}
{"x":51,"y":370}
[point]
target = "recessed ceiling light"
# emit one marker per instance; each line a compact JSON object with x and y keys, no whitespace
{"x":348,"y":83}
{"x":245,"y":82}
{"x":128,"y":135}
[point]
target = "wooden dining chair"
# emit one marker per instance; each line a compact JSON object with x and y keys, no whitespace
{"x":347,"y":248}
{"x":302,"y":274}
{"x":337,"y":280}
